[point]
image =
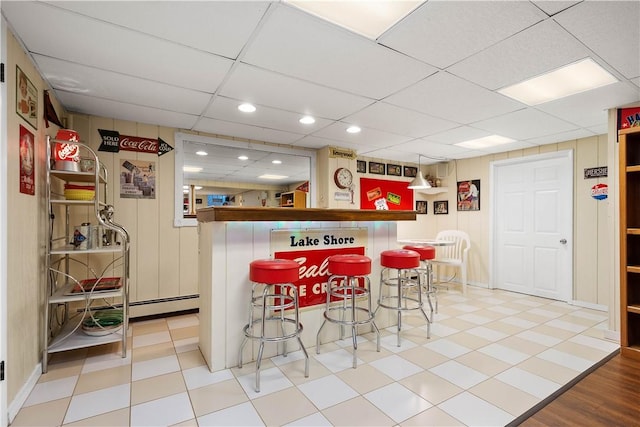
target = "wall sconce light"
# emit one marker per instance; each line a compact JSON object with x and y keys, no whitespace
{"x":419,"y":183}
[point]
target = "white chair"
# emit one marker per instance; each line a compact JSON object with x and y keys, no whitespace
{"x":454,"y":255}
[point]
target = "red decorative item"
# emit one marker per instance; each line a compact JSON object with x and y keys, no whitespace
{"x":66,"y":154}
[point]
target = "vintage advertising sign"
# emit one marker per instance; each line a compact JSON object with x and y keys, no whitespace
{"x":27,"y":164}
{"x":600,"y":191}
{"x":311,"y":249}
{"x":600,"y":171}
{"x":342,"y":153}
{"x":628,"y":118}
{"x":382,"y":194}
{"x":137,"y":179}
{"x":113,"y":142}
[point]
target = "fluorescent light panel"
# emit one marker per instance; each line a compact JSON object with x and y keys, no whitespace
{"x":568,"y":80}
{"x":269,"y":176}
{"x":191,"y":169}
{"x":486,"y":142}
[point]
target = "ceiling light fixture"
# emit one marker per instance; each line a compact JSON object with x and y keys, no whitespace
{"x":246,"y":108}
{"x":193,"y":169}
{"x":276,"y":162}
{"x":419,"y":183}
{"x":574,"y":78}
{"x":201,"y":153}
{"x":198,"y":187}
{"x":307,"y":120}
{"x":243,"y":158}
{"x":486,"y":142}
{"x":270,"y":176}
{"x":353,"y":129}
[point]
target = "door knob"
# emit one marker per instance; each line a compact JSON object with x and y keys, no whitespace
{"x":563,"y":241}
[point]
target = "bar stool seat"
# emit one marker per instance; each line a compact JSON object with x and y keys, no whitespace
{"x":427,"y":253}
{"x":400,"y":272}
{"x":272,"y":292}
{"x":347,"y":272}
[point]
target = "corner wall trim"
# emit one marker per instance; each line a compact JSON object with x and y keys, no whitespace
{"x":24,"y":392}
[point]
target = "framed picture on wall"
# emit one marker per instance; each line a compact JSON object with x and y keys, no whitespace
{"x":441,"y":207}
{"x":376,"y":168}
{"x":362,"y":166}
{"x":26,"y":98}
{"x":421,"y":206}
{"x":469,"y":195}
{"x":395,"y":170}
{"x":410,"y":171}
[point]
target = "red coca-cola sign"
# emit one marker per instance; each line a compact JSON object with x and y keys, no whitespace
{"x":314,"y":272}
{"x":141,"y":145}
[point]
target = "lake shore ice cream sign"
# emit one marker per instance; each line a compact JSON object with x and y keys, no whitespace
{"x":311,"y":249}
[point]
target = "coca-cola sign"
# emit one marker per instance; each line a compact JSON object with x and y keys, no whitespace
{"x":140,"y":145}
{"x":113,"y":142}
{"x":66,"y":152}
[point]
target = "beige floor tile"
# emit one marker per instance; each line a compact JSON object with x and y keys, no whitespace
{"x":149,"y":327}
{"x":553,"y":332}
{"x":68,"y":356}
{"x":364,"y":378}
{"x":458,"y":324}
{"x":357,"y":412}
{"x":274,"y":412}
{"x":416,"y":319}
{"x":548,"y":370}
{"x":295,"y":370}
{"x":49,"y":413}
{"x":503,"y":327}
{"x":582,"y":351}
{"x":119,"y":418}
{"x":367,"y":351}
{"x":432,"y":417}
{"x":182,"y":333}
{"x":522,"y":345}
{"x":62,"y":370}
{"x":423,"y":357}
{"x":532,"y":317}
{"x":489,"y":314}
{"x":504,"y":396}
{"x":155,"y":351}
{"x":215,"y":397}
{"x":431,"y":387}
{"x":191,"y":359}
{"x":468,"y":340}
{"x":581,"y":320}
{"x":188,"y":423}
{"x":111,"y":348}
{"x":104,"y":378}
{"x":157,"y":387}
{"x":481,"y":362}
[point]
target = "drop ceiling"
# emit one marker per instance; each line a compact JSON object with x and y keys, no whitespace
{"x":426,"y":83}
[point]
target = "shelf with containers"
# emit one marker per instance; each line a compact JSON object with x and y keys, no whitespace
{"x":87,"y":254}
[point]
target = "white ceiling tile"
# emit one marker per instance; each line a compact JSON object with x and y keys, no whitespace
{"x":226,"y":109}
{"x":516,"y":145}
{"x":367,"y":137}
{"x":460,"y":134}
{"x":452,"y":31}
{"x":77,"y":39}
{"x":636,"y":81}
{"x":122,"y":111}
{"x":391,"y":155}
{"x":534,"y":51}
{"x":240,"y":130}
{"x":451,"y":98}
{"x":88,"y":81}
{"x":525,"y":124}
{"x":555,"y":6}
{"x":601,"y":129}
{"x":590,"y":108}
{"x":610,"y":28}
{"x":431,"y":150}
{"x":297,"y":44}
{"x":562,"y":137}
{"x":265,"y":87}
{"x":390,"y":118}
{"x":218,"y":27}
{"x":311,"y":141}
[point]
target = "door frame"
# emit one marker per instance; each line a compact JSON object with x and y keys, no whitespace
{"x":4,"y":414}
{"x":493,"y":230}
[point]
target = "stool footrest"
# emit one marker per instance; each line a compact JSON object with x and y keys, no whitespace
{"x":370,"y":316}
{"x":294,"y":334}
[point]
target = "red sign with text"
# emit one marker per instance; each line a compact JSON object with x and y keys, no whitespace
{"x":314,"y":272}
{"x":138,"y":144}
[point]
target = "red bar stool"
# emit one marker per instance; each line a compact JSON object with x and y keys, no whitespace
{"x":347,"y":272}
{"x":273,"y":291}
{"x":427,"y":253}
{"x":400,"y":272}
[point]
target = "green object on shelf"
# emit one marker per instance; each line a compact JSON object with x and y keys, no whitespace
{"x":103,"y":318}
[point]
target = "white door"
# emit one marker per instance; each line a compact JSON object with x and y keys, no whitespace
{"x":3,"y":223}
{"x":532,"y":225}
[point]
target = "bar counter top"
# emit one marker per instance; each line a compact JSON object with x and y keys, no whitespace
{"x":233,"y":213}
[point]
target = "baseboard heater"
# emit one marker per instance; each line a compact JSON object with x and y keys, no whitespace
{"x":182,"y":301}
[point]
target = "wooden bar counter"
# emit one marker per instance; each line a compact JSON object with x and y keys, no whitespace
{"x":231,"y":237}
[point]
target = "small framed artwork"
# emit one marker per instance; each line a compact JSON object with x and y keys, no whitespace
{"x":441,"y":207}
{"x":362,"y":166}
{"x":410,"y":171}
{"x":469,"y":195}
{"x":26,"y":99}
{"x":421,"y":206}
{"x":395,"y":170}
{"x":376,"y":168}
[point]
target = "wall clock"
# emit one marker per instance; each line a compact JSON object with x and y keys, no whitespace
{"x":343,"y":178}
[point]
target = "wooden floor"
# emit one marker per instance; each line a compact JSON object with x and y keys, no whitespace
{"x":609,"y":396}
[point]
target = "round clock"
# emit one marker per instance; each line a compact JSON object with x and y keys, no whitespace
{"x":343,"y":178}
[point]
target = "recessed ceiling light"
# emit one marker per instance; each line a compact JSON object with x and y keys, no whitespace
{"x":185,"y":191}
{"x":198,"y":187}
{"x":353,"y":129}
{"x":243,"y":158}
{"x":269,"y":176}
{"x":307,"y":120}
{"x":486,"y":142}
{"x":246,"y":108}
{"x":185,"y":187}
{"x":201,"y":153}
{"x":276,"y":162}
{"x":191,"y":169}
{"x":568,"y":80}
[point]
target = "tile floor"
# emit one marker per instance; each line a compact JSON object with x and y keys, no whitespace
{"x":492,"y":356}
